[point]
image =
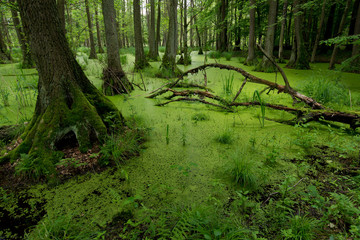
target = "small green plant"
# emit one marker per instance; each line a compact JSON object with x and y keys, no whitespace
{"x":33,"y":167}
{"x":301,"y":228}
{"x":242,"y":171}
{"x":271,"y":157}
{"x":257,"y":97}
{"x":200,"y":117}
{"x":183,"y":134}
{"x":4,"y":93}
{"x":62,"y":227}
{"x":70,"y":162}
{"x":228,"y":84}
{"x":225,"y":138}
{"x":167,"y":134}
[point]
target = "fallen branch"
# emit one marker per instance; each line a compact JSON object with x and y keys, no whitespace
{"x":195,"y":100}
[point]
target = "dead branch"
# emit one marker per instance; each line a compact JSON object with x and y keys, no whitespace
{"x":194,"y":100}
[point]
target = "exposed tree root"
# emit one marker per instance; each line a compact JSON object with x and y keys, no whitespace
{"x":316,"y":112}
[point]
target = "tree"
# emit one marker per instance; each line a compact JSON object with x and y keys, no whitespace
{"x":158,"y":23}
{"x":140,"y":58}
{"x":61,"y":10}
{"x":356,"y":47}
{"x":318,"y":33}
{"x":222,"y":44}
{"x":27,"y":61}
{"x":282,"y":31}
{"x":300,"y":59}
{"x":4,"y":54}
{"x":266,"y":65}
{"x":168,"y":66}
{"x":115,"y":80}
{"x":100,"y":49}
{"x":69,"y":109}
{"x":340,"y":30}
{"x":90,"y":28}
{"x":251,"y":58}
{"x":185,"y":58}
{"x":153,"y":54}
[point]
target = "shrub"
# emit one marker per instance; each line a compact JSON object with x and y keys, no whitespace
{"x":242,"y":171}
{"x":327,"y":90}
{"x":301,"y":228}
{"x":227,"y":55}
{"x":351,"y":65}
{"x":225,"y":138}
{"x":200,"y":117}
{"x":215,"y":54}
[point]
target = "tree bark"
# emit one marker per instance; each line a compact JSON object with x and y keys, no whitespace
{"x":282,"y":31}
{"x":22,"y":37}
{"x":4,"y":54}
{"x":115,"y":80}
{"x":68,"y":108}
{"x":153,"y":54}
{"x":98,"y":33}
{"x":185,"y":58}
{"x":168,"y":66}
{"x":251,"y":58}
{"x":158,"y":40}
{"x":90,"y":28}
{"x":318,"y":33}
{"x":61,"y":11}
{"x":140,"y":58}
{"x":223,"y":37}
{"x":266,"y":65}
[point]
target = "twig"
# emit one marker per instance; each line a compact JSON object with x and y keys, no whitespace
{"x":241,"y":88}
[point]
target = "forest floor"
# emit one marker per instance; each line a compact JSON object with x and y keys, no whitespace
{"x":203,"y":173}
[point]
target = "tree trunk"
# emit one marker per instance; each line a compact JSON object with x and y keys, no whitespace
{"x":4,"y":54}
{"x":292,"y":59}
{"x":318,"y":33}
{"x":158,"y":29}
{"x":199,"y":38}
{"x":302,"y":61}
{"x":356,"y":47}
{"x":61,"y":11}
{"x":282,"y":31}
{"x":22,"y":37}
{"x":340,"y":30}
{"x":266,"y":64}
{"x":251,"y":58}
{"x":98,"y":34}
{"x":69,"y":109}
{"x":90,"y":28}
{"x":191,"y":24}
{"x":115,"y":80}
{"x":153,"y":54}
{"x":185,"y":56}
{"x":168,"y":66}
{"x":140,"y":58}
{"x":223,"y":37}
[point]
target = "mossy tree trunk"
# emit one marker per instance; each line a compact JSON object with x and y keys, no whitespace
{"x":140,"y":58}
{"x":90,"y":28}
{"x":115,"y":80}
{"x":251,"y":58}
{"x":266,"y":65}
{"x":158,"y":23}
{"x":27,"y":61}
{"x":68,"y":105}
{"x":168,"y":66}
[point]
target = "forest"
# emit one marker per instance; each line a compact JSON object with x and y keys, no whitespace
{"x":180,"y":119}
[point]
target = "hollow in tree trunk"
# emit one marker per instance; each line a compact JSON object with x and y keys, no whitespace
{"x":68,"y":107}
{"x":115,"y":80}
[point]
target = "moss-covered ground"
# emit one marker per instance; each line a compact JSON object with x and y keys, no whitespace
{"x":204,"y":173}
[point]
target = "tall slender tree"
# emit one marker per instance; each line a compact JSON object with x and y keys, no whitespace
{"x":27,"y":61}
{"x":168,"y":66}
{"x":266,"y":65}
{"x":158,"y":22}
{"x":90,"y":29}
{"x":115,"y":80}
{"x":251,"y":58}
{"x":68,"y":107}
{"x":98,"y":33}
{"x":153,"y":54}
{"x":140,"y":58}
{"x":282,"y":31}
{"x":318,"y":33}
